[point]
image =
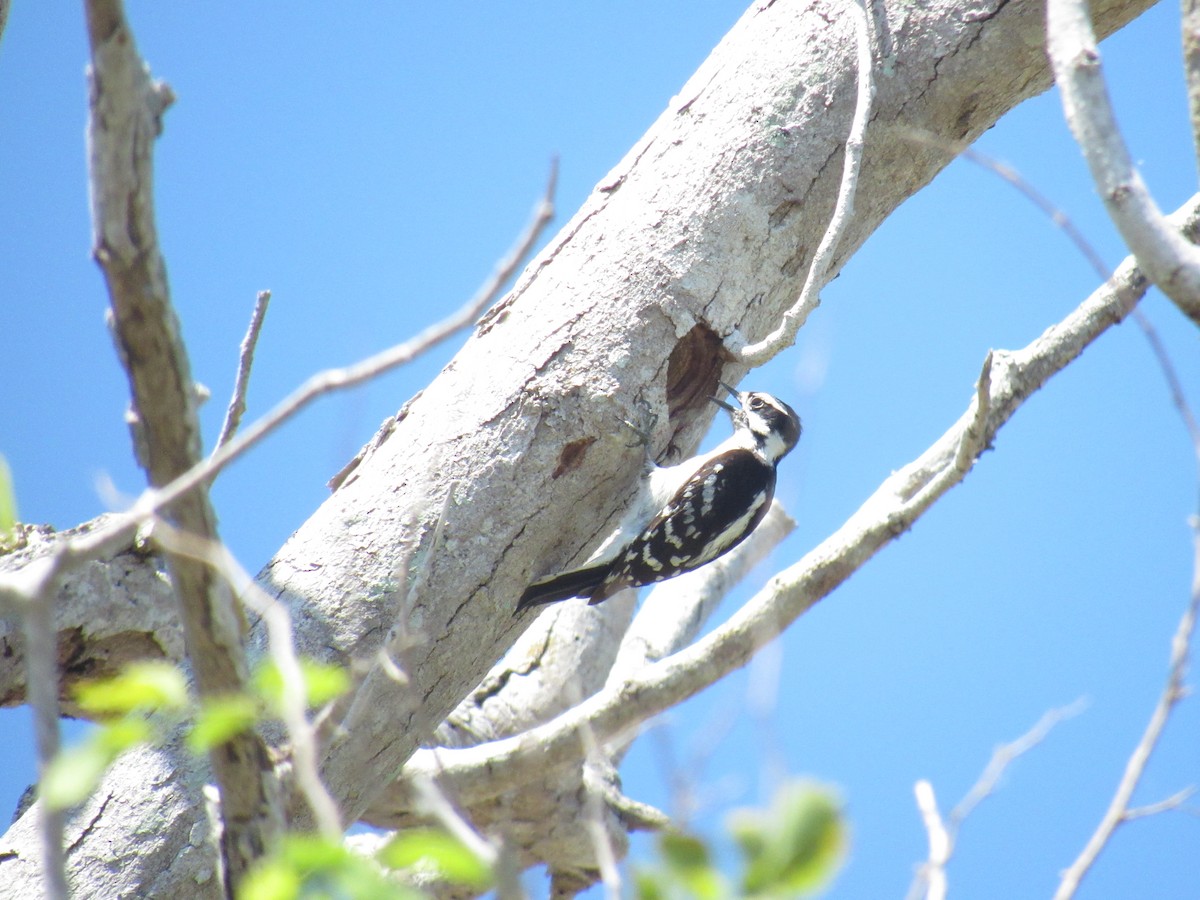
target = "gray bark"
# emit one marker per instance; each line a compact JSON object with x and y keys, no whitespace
{"x":107,"y":612}
{"x":511,"y":462}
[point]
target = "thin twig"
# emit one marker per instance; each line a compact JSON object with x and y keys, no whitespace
{"x":1006,"y":754}
{"x":1172,"y":262}
{"x":1119,"y":810}
{"x":372,"y":367}
{"x":593,"y":803}
{"x":433,"y":802}
{"x":1054,"y":213}
{"x":1174,"y":385}
{"x":41,"y":661}
{"x":933,"y":873}
{"x":930,"y":880}
{"x":282,"y":650}
{"x":1175,"y":801}
{"x":241,"y":382}
{"x":1166,"y":257}
{"x":1089,"y":252}
{"x":793,"y":320}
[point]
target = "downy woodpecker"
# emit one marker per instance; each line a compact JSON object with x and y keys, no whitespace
{"x":687,"y":515}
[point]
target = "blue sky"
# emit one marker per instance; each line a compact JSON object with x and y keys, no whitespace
{"x":369,"y":167}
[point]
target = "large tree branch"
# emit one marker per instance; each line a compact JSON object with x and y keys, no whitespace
{"x":509,"y":464}
{"x":703,"y":234}
{"x":108,"y":611}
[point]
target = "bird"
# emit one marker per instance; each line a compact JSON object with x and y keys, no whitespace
{"x":687,"y":515}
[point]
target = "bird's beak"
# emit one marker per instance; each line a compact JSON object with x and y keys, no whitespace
{"x":723,"y":404}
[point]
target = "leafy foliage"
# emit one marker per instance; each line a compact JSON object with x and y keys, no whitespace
{"x":74,"y":773}
{"x":791,"y":849}
{"x":220,"y":719}
{"x":306,"y":866}
{"x":435,"y":852}
{"x":148,"y":686}
{"x":8,"y":506}
{"x":148,"y":699}
{"x":322,"y":683}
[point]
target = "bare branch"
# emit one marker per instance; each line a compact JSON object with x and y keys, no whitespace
{"x":930,"y":880}
{"x":1004,"y":756}
{"x":675,"y":611}
{"x":1173,"y":263}
{"x":1175,"y":801}
{"x":1168,"y":260}
{"x":125,"y":117}
{"x":300,"y":731}
{"x":42,"y":665}
{"x":818,"y":271}
{"x":642,"y":287}
{"x":237,"y":403}
{"x":932,"y":875}
{"x":891,"y":510}
{"x":1063,"y":221}
{"x":1119,"y":810}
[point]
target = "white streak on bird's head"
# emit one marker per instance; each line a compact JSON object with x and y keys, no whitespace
{"x":770,"y":425}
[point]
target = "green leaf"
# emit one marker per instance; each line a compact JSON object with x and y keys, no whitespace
{"x":307,"y":867}
{"x":683,"y":851}
{"x":688,"y":861}
{"x":793,"y":848}
{"x":313,"y":853}
{"x":434,"y":851}
{"x":149,"y":686}
{"x":648,"y":884}
{"x":220,"y":719}
{"x":8,"y":500}
{"x":271,"y":879}
{"x":322,"y":683}
{"x":74,"y":772}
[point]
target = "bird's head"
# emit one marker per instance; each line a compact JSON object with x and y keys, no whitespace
{"x":773,"y":426}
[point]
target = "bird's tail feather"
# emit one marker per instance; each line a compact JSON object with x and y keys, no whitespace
{"x":579,"y":583}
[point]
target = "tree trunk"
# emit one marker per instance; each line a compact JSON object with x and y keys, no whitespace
{"x":510,"y":464}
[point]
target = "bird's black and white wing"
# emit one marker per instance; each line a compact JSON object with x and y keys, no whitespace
{"x":712,"y":512}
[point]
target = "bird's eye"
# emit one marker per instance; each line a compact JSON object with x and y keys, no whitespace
{"x":756,"y":403}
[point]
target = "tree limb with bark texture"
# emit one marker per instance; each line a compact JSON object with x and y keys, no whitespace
{"x":691,"y":248}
